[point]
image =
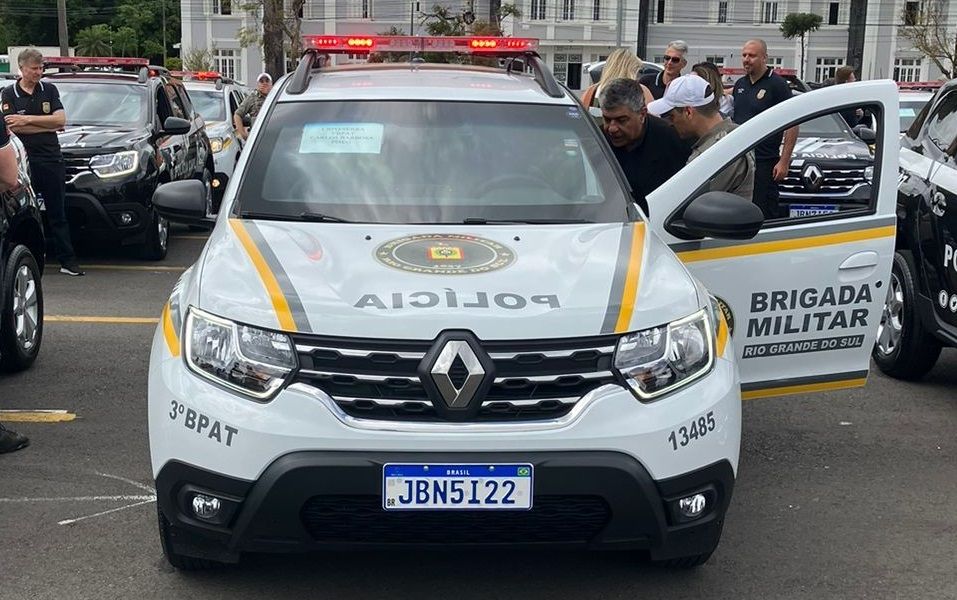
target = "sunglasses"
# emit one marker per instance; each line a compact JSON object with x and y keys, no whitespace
{"x":674,"y":59}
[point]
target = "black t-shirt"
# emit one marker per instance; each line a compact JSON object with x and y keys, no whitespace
{"x":655,"y":82}
{"x":658,"y":155}
{"x":45,"y":100}
{"x":752,"y":99}
{"x":4,"y":136}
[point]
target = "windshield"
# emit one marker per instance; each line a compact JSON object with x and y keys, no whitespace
{"x":826,"y":126}
{"x":431,"y":162}
{"x":108,"y":104}
{"x":208,"y":104}
{"x":909,"y":109}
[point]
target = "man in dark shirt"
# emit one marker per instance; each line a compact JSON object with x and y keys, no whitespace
{"x":647,"y":148}
{"x":675,"y":61}
{"x":33,"y":111}
{"x":760,"y":89}
{"x":853,"y":116}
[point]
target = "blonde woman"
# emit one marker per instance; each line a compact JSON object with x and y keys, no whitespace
{"x":710,"y":73}
{"x":622,"y":63}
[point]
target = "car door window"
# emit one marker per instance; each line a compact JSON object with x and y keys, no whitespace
{"x":942,"y":124}
{"x":175,"y":104}
{"x":184,"y":100}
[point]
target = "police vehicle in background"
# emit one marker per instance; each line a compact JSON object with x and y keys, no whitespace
{"x":430,"y":313}
{"x":130,"y":128}
{"x":920,"y":314}
{"x":216,"y":98}
{"x":21,"y":268}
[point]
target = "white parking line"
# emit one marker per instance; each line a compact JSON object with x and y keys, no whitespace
{"x":123,"y":498}
{"x":105,"y":512}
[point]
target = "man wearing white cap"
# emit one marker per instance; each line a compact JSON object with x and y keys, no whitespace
{"x":689,"y":104}
{"x":251,"y":105}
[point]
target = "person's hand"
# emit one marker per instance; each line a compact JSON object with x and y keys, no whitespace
{"x":780,"y":170}
{"x":14,"y":121}
{"x":859,"y":113}
{"x":243,"y":133}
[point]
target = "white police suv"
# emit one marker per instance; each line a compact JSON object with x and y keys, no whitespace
{"x":430,"y":314}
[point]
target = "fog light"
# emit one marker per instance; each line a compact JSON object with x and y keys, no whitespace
{"x":126,"y":218}
{"x":692,"y":506}
{"x":206,"y":507}
{"x":217,"y":182}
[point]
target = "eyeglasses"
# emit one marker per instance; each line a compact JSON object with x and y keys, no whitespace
{"x":674,"y":59}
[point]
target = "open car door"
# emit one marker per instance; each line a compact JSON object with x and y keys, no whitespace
{"x":804,"y":298}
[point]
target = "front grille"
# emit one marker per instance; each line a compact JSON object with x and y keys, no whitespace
{"x":361,"y":519}
{"x":838,"y":180}
{"x":76,"y":166}
{"x":378,"y":379}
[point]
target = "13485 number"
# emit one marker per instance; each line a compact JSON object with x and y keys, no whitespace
{"x":698,"y":428}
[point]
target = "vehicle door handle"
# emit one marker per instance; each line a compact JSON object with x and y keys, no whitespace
{"x":861,"y":260}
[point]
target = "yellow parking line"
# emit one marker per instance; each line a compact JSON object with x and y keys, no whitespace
{"x":129,"y":268}
{"x":111,"y":320}
{"x":36,"y":416}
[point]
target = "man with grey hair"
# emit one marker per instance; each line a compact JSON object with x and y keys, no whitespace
{"x":675,"y":61}
{"x":32,"y":110}
{"x":648,"y":149}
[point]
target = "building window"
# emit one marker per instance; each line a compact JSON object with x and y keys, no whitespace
{"x":226,"y":62}
{"x":907,"y":69}
{"x":222,"y":7}
{"x":596,"y":10}
{"x":568,"y":10}
{"x":825,"y":67}
{"x":660,"y":12}
{"x":911,"y":13}
{"x":775,"y":61}
{"x":360,"y":9}
{"x":832,"y":12}
{"x":659,"y":59}
{"x":538,"y":10}
{"x":718,"y":60}
{"x":568,"y":69}
{"x":769,"y":12}
{"x":722,"y":12}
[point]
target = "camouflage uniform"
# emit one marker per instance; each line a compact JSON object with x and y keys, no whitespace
{"x":251,"y":105}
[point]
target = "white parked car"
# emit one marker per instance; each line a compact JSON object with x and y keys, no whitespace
{"x":430,"y":313}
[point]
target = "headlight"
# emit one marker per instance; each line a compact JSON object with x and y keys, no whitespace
{"x":658,"y":360}
{"x":253,"y":361}
{"x":115,"y":165}
{"x":869,"y":174}
{"x":218,"y":144}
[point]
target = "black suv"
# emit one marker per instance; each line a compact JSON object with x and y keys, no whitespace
{"x":920,"y":315}
{"x":126,"y":134}
{"x":21,"y":266}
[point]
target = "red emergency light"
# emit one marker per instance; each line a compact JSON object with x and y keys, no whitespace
{"x":919,"y":85}
{"x":339,"y":44}
{"x":93,"y":61}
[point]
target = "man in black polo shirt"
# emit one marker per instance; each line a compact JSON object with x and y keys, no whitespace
{"x":648,"y":149}
{"x":33,"y":111}
{"x":760,"y":89}
{"x":675,"y":61}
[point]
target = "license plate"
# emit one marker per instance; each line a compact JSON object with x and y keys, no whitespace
{"x":457,"y":487}
{"x":809,"y":210}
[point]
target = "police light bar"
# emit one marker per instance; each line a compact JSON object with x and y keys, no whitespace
{"x":355,"y":44}
{"x":919,"y":85}
{"x":93,"y":61}
{"x":741,"y":71}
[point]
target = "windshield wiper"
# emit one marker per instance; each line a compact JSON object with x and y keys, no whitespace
{"x":304,"y":216}
{"x":482,"y":221}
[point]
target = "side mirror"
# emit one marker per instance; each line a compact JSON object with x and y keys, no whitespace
{"x":176,"y":126}
{"x":866,"y":134}
{"x":722,"y":215}
{"x":182,"y":201}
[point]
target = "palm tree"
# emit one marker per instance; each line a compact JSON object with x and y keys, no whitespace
{"x":94,"y":41}
{"x":125,"y":42}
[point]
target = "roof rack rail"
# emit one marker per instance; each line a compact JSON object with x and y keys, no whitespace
{"x":318,"y":46}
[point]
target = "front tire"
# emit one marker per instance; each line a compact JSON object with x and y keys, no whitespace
{"x":156,"y":245}
{"x":21,"y":318}
{"x":904,"y":349}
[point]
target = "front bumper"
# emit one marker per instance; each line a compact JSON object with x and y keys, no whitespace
{"x":332,"y":500}
{"x":96,"y":208}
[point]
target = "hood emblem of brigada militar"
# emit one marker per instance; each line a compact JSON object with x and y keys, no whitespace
{"x":444,"y":254}
{"x":457,"y":396}
{"x":812,"y":177}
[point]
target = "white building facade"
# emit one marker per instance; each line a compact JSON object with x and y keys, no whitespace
{"x":576,"y":32}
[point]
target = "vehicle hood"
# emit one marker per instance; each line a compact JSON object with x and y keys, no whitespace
{"x":507,"y":282}
{"x":831,"y":149}
{"x":79,"y":138}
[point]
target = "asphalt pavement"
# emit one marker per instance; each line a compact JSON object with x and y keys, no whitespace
{"x":848,"y":494}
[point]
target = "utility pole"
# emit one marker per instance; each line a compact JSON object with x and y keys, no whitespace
{"x":411,"y":17}
{"x":164,"y":31}
{"x":61,"y":26}
{"x":641,"y":44}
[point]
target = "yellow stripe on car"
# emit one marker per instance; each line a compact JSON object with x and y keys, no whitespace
{"x":632,"y":279}
{"x":169,"y":331}
{"x":722,"y":335}
{"x":803,"y":389}
{"x":279,"y":302}
{"x":785,"y":245}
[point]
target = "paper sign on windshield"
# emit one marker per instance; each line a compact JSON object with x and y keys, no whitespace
{"x":341,"y":138}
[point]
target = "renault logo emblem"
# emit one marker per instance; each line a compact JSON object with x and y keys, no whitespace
{"x":453,"y":395}
{"x":812,"y":177}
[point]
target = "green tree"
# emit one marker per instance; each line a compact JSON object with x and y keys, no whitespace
{"x":800,"y":25}
{"x":125,"y":41}
{"x":94,"y":41}
{"x":198,"y":59}
{"x":288,"y":23}
{"x":928,"y":29}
